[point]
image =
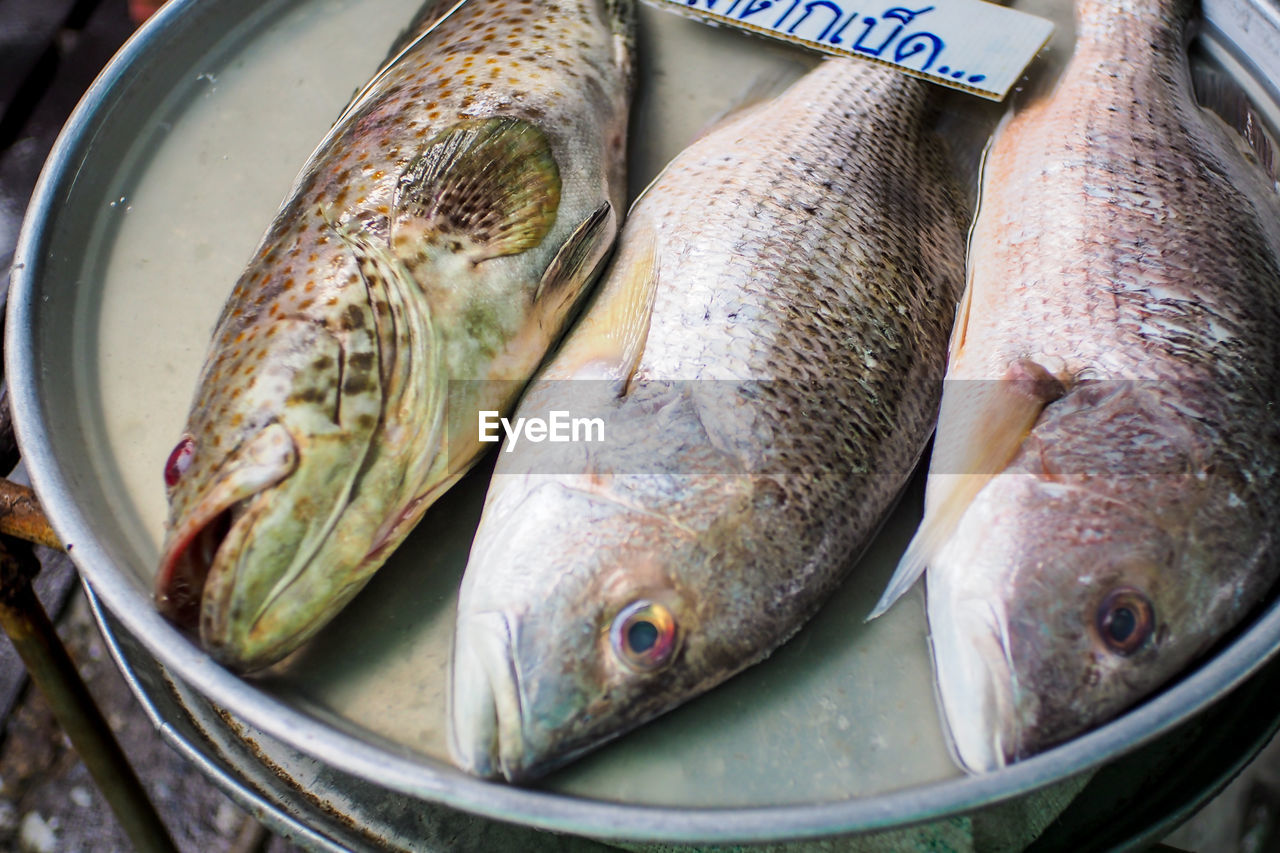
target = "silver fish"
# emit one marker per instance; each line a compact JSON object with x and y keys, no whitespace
{"x":1116,"y":365}
{"x":767,"y":352}
{"x":441,"y":232}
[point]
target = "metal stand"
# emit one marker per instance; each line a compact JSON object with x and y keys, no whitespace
{"x":53,"y":672}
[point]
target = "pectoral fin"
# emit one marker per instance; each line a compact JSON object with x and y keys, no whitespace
{"x":981,"y":425}
{"x":483,"y":188}
{"x":609,"y":340}
{"x":577,"y":259}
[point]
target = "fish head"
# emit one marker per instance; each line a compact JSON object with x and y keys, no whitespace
{"x":1042,"y":626}
{"x":1067,"y":596}
{"x":257,"y":486}
{"x":576,"y":623}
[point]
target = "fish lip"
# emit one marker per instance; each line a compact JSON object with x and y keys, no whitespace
{"x":486,"y":701}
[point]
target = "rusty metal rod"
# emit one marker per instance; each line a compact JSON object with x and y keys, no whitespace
{"x":53,"y":672}
{"x":22,"y":517}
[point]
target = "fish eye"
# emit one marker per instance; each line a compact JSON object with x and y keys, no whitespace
{"x":179,"y":460}
{"x":1125,"y":620}
{"x":643,"y":636}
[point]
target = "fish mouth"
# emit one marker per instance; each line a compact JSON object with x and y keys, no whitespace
{"x":195,"y":547}
{"x":976,"y":686}
{"x":486,"y":731}
{"x":185,"y":567}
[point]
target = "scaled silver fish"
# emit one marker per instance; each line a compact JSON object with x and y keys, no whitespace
{"x":765,"y":358}
{"x":1101,"y":500}
{"x":425,"y":260}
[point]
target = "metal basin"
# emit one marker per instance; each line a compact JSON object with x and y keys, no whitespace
{"x":114,"y":289}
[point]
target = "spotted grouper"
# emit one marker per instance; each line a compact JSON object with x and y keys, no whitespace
{"x":425,"y":260}
{"x":1101,"y":499}
{"x":765,"y":359}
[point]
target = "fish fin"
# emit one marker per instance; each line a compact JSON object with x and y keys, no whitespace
{"x":577,"y":258}
{"x":631,"y":335}
{"x":435,"y":12}
{"x":981,"y":426}
{"x":484,"y":188}
{"x":965,"y":140}
{"x":960,"y":328}
{"x":1223,"y":96}
{"x":610,"y":338}
{"x":427,"y":18}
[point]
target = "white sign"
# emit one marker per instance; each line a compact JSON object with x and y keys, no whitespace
{"x":965,"y":44}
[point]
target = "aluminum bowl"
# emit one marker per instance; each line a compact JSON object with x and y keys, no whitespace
{"x":338,"y":771}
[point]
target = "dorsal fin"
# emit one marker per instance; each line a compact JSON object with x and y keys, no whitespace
{"x":430,"y":16}
{"x":578,"y":257}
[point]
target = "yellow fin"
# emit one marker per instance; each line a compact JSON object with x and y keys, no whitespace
{"x":609,"y":340}
{"x":981,"y":425}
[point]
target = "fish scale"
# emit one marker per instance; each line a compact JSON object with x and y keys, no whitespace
{"x":752,"y":445}
{"x":1115,"y":351}
{"x":425,"y":259}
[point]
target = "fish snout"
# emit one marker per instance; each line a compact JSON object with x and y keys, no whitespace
{"x":485,"y":723}
{"x":976,"y":683}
